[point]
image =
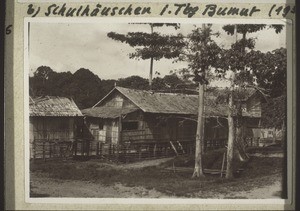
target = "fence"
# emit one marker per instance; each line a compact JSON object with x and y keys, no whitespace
{"x":126,"y":152}
{"x":215,"y":144}
{"x":129,"y":150}
{"x":41,"y":148}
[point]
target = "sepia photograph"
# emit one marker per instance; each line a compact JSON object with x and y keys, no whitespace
{"x":156,"y":109}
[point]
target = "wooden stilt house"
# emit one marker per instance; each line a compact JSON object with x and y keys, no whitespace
{"x":128,"y":115}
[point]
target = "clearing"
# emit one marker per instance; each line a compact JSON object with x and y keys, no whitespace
{"x":261,"y":178}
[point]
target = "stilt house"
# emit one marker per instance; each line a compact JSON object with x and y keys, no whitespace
{"x":128,"y":115}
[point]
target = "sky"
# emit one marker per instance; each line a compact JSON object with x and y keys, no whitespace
{"x":71,"y":46}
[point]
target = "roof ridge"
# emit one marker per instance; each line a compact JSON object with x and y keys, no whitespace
{"x":155,"y":92}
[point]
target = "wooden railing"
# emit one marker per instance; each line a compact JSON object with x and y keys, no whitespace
{"x":125,"y":152}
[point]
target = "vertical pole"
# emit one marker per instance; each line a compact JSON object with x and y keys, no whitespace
{"x":154,"y":150}
{"x":151,"y":65}
{"x":97,"y":150}
{"x":151,"y":73}
{"x":44,"y":151}
{"x":125,"y":153}
{"x":140,"y":152}
{"x":50,"y":149}
{"x":82,"y":148}
{"x":34,"y":148}
{"x":101,"y":148}
{"x":119,"y":133}
{"x":223,"y":162}
{"x":75,"y":147}
{"x":109,"y":150}
{"x":88,"y":148}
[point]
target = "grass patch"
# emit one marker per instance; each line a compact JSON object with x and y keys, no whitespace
{"x":266,"y":150}
{"x":257,"y":173}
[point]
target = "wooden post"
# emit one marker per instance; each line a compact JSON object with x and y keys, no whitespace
{"x":33,"y":148}
{"x":44,"y":151}
{"x":125,"y":153}
{"x":82,"y":148}
{"x":140,"y":152}
{"x":274,"y":135}
{"x":88,"y":147}
{"x":154,"y":151}
{"x":50,"y":149}
{"x":109,"y":150}
{"x":101,"y":148}
{"x":174,"y":148}
{"x":223,"y":162}
{"x":75,"y":147}
{"x":97,"y":149}
{"x":166,"y":150}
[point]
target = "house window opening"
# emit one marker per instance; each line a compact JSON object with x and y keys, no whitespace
{"x":100,"y":124}
{"x":130,"y":125}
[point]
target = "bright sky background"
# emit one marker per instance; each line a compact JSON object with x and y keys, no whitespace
{"x":70,"y":46}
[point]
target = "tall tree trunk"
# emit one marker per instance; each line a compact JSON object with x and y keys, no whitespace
{"x":198,"y":170}
{"x":231,"y":126}
{"x":231,"y":134}
{"x":241,"y":149}
{"x":240,"y":146}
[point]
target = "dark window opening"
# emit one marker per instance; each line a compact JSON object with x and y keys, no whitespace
{"x":100,"y":125}
{"x":130,"y":125}
{"x":163,"y":124}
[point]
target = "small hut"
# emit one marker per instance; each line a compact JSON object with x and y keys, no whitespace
{"x":54,"y":119}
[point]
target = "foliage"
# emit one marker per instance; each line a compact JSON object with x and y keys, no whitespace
{"x":270,"y":70}
{"x":201,"y":53}
{"x":151,"y":45}
{"x":250,"y":28}
{"x":134,"y":82}
{"x":86,"y":88}
{"x":266,"y":71}
{"x":83,"y":86}
{"x":274,"y":112}
{"x":148,"y":46}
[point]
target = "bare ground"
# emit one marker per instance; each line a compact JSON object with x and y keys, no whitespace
{"x":44,"y":186}
{"x":48,"y":187}
{"x":271,"y":191}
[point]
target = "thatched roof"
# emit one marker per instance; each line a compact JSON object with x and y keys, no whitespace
{"x":53,"y":106}
{"x":107,"y":112}
{"x":166,"y":103}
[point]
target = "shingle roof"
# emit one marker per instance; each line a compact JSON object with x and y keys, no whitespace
{"x":107,"y":112}
{"x":53,"y":106}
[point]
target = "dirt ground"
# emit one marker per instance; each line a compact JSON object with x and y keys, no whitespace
{"x":272,"y":191}
{"x":48,"y":187}
{"x":43,"y":186}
